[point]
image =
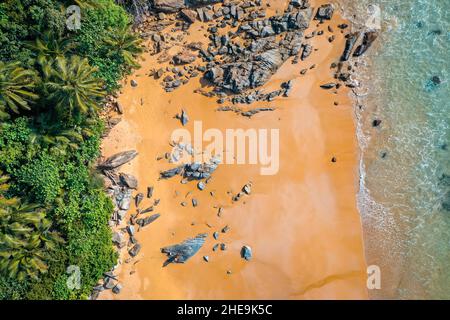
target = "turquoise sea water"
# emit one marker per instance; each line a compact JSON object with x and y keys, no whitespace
{"x":405,"y":169}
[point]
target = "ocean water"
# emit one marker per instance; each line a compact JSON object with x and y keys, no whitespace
{"x":404,"y":197}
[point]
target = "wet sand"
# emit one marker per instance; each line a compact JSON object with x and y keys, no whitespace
{"x":302,"y":223}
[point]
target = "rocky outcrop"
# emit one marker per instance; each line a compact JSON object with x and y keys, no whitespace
{"x":349,"y":45}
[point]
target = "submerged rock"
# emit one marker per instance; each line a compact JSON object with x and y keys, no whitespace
{"x":180,"y":253}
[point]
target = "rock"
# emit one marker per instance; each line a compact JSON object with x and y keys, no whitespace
{"x":129,"y":180}
{"x":123,"y":199}
{"x":349,"y":44}
{"x":138,"y":199}
{"x":149,"y":209}
{"x":223,"y":247}
{"x":216,"y":235}
{"x":215,"y":247}
{"x":146,"y":221}
{"x":180,"y":253}
{"x":328,"y":86}
{"x":109,"y":283}
{"x":201,"y":186}
{"x":117,"y":238}
{"x":134,"y":83}
{"x":184,"y":57}
{"x":194,"y":202}
{"x":118,"y":160}
{"x":130,"y":230}
{"x":307,"y":50}
{"x":206,"y":258}
{"x":246,"y":253}
{"x":189,"y":15}
{"x":184,"y":118}
{"x":368,"y":39}
{"x":376,"y":123}
{"x":135,"y":250}
{"x":225,"y":229}
{"x":247,"y":189}
{"x":117,"y":288}
{"x":169,"y":5}
{"x":149,"y":192}
{"x":325,"y":12}
{"x":171,"y":173}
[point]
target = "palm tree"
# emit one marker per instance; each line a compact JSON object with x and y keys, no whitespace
{"x":126,"y":44}
{"x":50,"y":45}
{"x":26,"y":238}
{"x":16,"y":88}
{"x":72,"y":85}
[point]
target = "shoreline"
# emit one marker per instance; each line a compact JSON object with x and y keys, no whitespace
{"x":315,"y":248}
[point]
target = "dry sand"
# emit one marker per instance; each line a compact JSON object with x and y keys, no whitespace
{"x":302,"y":223}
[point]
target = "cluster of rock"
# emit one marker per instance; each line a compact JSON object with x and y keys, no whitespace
{"x":252,"y":64}
{"x":120,"y":186}
{"x":193,"y":171}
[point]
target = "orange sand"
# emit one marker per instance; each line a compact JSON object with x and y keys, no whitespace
{"x":302,"y":223}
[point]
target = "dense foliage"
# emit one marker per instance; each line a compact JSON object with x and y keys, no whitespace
{"x":54,"y":212}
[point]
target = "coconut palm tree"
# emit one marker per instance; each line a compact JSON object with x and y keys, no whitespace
{"x":72,"y":86}
{"x":126,"y":44}
{"x":16,"y":88}
{"x":50,"y":45}
{"x":26,"y":238}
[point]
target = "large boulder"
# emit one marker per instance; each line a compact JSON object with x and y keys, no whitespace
{"x":180,"y":253}
{"x":325,"y":12}
{"x":169,"y":5}
{"x":118,"y":159}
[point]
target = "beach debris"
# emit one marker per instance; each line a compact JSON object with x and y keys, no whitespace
{"x":246,"y":253}
{"x":180,"y":253}
{"x":142,"y":222}
{"x":118,"y":160}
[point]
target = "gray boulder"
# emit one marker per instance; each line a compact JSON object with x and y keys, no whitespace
{"x":118,"y":160}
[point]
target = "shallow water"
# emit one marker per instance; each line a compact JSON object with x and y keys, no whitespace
{"x":404,"y":198}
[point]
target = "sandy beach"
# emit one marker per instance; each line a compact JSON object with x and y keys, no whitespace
{"x":302,"y":223}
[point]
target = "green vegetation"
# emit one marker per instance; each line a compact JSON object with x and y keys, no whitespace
{"x":54,"y":212}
